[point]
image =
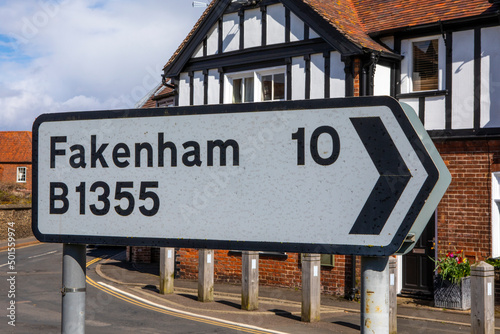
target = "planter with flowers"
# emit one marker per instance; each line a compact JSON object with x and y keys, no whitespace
{"x":452,"y":282}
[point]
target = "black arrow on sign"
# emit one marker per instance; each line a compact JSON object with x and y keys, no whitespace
{"x":394,"y":175}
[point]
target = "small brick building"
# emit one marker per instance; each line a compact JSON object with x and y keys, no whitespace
{"x":15,"y":158}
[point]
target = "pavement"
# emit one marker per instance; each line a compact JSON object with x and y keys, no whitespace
{"x":279,"y":308}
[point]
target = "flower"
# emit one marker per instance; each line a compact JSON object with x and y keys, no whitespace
{"x":453,"y":266}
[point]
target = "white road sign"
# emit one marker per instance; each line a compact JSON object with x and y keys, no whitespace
{"x":344,"y":176}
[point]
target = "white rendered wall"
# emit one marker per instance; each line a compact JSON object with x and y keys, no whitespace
{"x":231,"y":32}
{"x":388,"y":41}
{"x":184,"y":89}
{"x":213,"y":41}
{"x":382,"y":80}
{"x":490,"y":77}
{"x":199,"y":51}
{"x":275,"y":24}
{"x":435,"y":113}
{"x":337,"y":75}
{"x":253,"y":30}
{"x":413,"y":102}
{"x":296,"y":28}
{"x":198,"y":88}
{"x":213,"y":86}
{"x":313,"y":34}
{"x":405,"y":66}
{"x":462,"y":116}
{"x":442,"y":63}
{"x":298,"y":78}
{"x":317,"y":76}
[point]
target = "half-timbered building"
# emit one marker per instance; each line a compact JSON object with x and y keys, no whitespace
{"x":441,"y":57}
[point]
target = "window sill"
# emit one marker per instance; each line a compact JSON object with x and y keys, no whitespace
{"x":429,"y":93}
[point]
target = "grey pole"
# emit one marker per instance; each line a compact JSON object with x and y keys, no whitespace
{"x":393,"y":295}
{"x":206,"y":275}
{"x":250,"y":280}
{"x":167,"y":270}
{"x":311,"y":287}
{"x":482,"y":283}
{"x":374,"y":294}
{"x":73,"y":289}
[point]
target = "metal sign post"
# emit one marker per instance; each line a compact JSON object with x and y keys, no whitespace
{"x":73,"y":289}
{"x":374,"y":294}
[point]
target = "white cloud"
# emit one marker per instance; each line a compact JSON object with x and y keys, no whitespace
{"x":70,"y":55}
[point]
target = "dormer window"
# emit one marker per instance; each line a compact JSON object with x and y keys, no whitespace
{"x":425,"y":74}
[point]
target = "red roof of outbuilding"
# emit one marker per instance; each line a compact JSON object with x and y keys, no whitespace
{"x":15,"y":146}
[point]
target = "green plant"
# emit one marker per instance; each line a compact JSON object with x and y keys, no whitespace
{"x":494,"y":262}
{"x":453,"y":266}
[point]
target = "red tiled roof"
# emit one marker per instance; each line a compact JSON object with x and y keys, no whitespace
{"x":342,"y":15}
{"x":150,"y":103}
{"x":15,"y":146}
{"x":191,"y":33}
{"x":162,"y":91}
{"x":382,"y":15}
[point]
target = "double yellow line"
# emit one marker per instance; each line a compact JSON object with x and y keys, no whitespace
{"x":164,"y":311}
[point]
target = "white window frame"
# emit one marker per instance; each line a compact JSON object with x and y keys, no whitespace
{"x":407,"y":63}
{"x":257,"y":80}
{"x":21,"y":175}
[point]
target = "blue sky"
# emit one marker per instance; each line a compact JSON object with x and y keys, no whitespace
{"x":75,"y":55}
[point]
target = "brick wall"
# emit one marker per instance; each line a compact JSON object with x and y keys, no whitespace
{"x":9,"y":174}
{"x":464,"y":213}
{"x":273,"y":271}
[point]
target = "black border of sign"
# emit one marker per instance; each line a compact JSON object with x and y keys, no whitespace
{"x":392,"y":104}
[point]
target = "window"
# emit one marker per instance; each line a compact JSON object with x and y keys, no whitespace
{"x":21,"y":174}
{"x":425,"y":74}
{"x":243,"y":89}
{"x":273,"y":87}
{"x":255,"y":86}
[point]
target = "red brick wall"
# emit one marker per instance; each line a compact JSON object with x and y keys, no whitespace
{"x":464,"y":214}
{"x":272,"y":271}
{"x":9,"y":174}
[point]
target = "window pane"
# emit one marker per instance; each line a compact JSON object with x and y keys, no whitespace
{"x":248,"y":89}
{"x":425,"y":65}
{"x":279,"y":86}
{"x":21,"y":174}
{"x":267,"y":87}
{"x":237,"y":91}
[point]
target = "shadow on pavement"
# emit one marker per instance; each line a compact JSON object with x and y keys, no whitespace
{"x":347,"y":324}
{"x":285,"y":314}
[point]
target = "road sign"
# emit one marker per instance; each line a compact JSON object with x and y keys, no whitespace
{"x":344,"y":176}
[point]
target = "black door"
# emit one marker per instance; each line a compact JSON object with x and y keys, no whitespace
{"x":418,"y":266}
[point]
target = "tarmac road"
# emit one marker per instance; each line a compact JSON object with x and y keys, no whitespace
{"x":122,"y":298}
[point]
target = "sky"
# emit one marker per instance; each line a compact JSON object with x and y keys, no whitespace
{"x":76,"y":55}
